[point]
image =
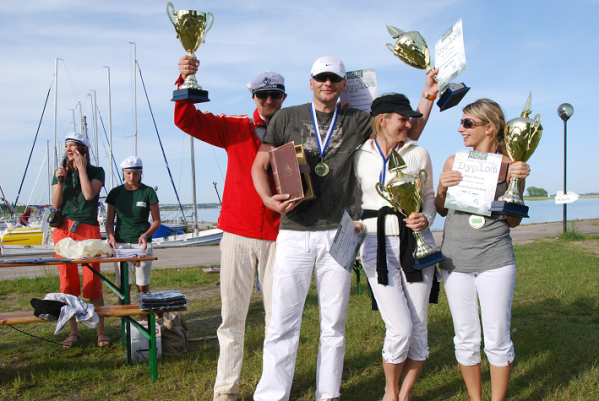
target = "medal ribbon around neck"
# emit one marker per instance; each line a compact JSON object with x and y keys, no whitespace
{"x":322,"y":149}
{"x":383,"y":173}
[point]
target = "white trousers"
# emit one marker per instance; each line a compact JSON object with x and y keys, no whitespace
{"x":241,"y":259}
{"x":142,"y":272}
{"x":495,"y":290}
{"x":403,"y":306}
{"x":299,"y":254}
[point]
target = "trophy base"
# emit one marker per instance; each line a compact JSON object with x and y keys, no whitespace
{"x":426,"y":261}
{"x":452,"y":96}
{"x":190,"y":96}
{"x":509,"y":209}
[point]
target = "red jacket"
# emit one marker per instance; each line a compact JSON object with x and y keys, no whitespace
{"x":243,"y":212}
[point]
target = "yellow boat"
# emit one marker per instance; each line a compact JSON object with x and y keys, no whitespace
{"x":23,"y":236}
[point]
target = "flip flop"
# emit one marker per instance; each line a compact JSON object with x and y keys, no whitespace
{"x":103,"y":343}
{"x":66,"y":344}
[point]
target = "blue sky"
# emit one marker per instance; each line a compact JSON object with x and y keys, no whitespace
{"x":512,"y":47}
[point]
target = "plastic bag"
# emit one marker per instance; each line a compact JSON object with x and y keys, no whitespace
{"x":89,"y":248}
{"x":175,"y":334}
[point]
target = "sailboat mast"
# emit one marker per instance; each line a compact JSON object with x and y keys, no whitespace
{"x":110,"y":130}
{"x":49,"y":172}
{"x":134,"y":97}
{"x":54,"y":159}
{"x":95,"y":115}
{"x":193,"y":186}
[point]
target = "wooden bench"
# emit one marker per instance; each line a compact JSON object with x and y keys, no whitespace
{"x":124,"y":311}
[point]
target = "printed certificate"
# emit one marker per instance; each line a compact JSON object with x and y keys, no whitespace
{"x":347,"y":243}
{"x":476,"y":191}
{"x":450,"y":55}
{"x":361,"y":89}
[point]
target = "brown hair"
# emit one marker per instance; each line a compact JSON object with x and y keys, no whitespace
{"x":491,"y":112}
{"x":84,"y":151}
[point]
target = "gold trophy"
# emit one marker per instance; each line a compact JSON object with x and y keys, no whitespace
{"x":411,"y":48}
{"x":191,"y":27}
{"x":405,"y":193}
{"x":522,"y":136}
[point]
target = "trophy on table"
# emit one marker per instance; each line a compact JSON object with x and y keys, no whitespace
{"x":521,"y":136}
{"x":411,"y":48}
{"x":405,"y":193}
{"x":191,"y":27}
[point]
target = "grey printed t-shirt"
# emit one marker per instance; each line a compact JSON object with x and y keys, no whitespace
{"x":336,"y":190}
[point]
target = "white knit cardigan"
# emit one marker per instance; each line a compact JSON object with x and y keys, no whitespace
{"x":368,"y":165}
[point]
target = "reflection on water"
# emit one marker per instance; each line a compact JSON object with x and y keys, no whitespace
{"x":540,"y":212}
{"x":546,"y":211}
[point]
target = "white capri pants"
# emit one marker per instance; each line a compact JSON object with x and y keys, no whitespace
{"x":299,"y":254}
{"x":142,"y":272}
{"x":494,"y":289}
{"x":403,"y":306}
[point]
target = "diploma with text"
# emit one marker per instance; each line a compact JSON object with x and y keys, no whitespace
{"x":476,"y":191}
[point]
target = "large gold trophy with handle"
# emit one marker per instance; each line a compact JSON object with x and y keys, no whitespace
{"x":411,"y":48}
{"x":405,"y":193}
{"x":522,"y":136}
{"x":191,"y":27}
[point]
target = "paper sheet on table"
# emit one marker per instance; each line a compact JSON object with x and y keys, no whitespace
{"x":476,"y":191}
{"x":129,"y":253}
{"x":347,"y":243}
{"x":361,"y":89}
{"x":450,"y":55}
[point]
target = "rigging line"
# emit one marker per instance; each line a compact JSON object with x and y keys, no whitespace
{"x":70,"y":80}
{"x":219,"y":170}
{"x":160,"y":141}
{"x":34,"y":141}
{"x":182,"y":159}
{"x":108,"y":142}
{"x":36,"y":180}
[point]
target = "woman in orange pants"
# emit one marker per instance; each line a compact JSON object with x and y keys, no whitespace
{"x":75,"y":191}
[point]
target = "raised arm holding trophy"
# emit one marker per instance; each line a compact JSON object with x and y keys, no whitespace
{"x":191,"y":27}
{"x":411,"y":48}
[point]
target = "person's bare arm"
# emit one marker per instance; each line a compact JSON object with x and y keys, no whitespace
{"x":261,"y":179}
{"x":425,"y":106}
{"x":448,"y":178}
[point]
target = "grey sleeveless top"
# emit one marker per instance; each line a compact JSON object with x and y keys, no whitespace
{"x":470,"y":250}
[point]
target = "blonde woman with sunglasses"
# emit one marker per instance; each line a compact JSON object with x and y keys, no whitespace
{"x":479,"y":265}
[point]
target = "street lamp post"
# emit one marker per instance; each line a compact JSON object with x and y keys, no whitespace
{"x":565,"y":111}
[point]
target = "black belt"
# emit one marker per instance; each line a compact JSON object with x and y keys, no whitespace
{"x":407,"y":243}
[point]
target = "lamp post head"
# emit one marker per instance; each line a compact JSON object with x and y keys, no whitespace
{"x":565,"y":111}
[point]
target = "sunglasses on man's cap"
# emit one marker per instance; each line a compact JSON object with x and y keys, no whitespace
{"x":275,"y":95}
{"x":323,"y":76}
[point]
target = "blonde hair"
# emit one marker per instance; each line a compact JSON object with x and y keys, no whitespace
{"x":376,"y":127}
{"x":491,"y":112}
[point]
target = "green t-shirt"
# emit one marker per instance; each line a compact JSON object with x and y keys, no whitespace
{"x":337,"y":190}
{"x":132,"y":211}
{"x":75,"y":207}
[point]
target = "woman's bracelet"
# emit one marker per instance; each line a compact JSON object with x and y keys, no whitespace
{"x":144,"y":235}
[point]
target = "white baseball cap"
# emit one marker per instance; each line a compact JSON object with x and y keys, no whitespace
{"x":328,"y":64}
{"x":77,"y":138}
{"x":267,"y":81}
{"x":132,"y":163}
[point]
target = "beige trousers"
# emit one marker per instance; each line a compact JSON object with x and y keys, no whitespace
{"x":241,"y":259}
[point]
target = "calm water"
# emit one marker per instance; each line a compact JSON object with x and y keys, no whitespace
{"x":540,"y":212}
{"x":546,"y":211}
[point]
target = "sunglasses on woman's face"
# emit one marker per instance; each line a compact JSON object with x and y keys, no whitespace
{"x":322,"y":77}
{"x":273,"y":95}
{"x":468,"y":123}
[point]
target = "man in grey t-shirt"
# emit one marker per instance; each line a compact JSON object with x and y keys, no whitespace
{"x":330,"y":136}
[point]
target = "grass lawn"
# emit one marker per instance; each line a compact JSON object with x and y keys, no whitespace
{"x":555,"y":329}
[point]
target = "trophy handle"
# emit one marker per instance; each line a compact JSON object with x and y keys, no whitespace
{"x":172,"y":7}
{"x":390,"y":47}
{"x":424,"y":180}
{"x":381,"y":193}
{"x":208,"y":25}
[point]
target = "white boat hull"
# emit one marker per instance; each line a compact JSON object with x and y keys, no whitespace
{"x":205,"y":237}
{"x":26,"y":249}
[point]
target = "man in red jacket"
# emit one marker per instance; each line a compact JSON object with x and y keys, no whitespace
{"x":250,"y":228}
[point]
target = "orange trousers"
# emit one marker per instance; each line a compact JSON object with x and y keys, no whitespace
{"x":69,"y":273}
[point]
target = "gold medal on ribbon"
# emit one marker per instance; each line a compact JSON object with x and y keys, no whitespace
{"x":321,"y":169}
{"x":476,"y":221}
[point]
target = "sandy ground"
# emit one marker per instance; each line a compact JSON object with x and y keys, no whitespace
{"x":210,"y":255}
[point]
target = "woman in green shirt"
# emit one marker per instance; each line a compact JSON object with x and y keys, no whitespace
{"x":132,"y":204}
